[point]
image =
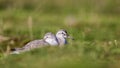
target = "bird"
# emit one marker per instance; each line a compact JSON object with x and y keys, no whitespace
{"x":48,"y":39}
{"x":62,"y":36}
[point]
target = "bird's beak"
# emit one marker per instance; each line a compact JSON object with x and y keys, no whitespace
{"x":70,"y":37}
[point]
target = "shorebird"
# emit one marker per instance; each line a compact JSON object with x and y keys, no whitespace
{"x":62,"y":36}
{"x":49,"y":39}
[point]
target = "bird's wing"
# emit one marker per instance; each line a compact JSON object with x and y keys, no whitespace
{"x":35,"y":44}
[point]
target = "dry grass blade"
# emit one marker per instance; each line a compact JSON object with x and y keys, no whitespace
{"x":30,"y":26}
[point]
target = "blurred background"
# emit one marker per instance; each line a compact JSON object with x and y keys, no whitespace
{"x":95,"y":25}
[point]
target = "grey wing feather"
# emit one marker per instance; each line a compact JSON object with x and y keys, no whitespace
{"x":35,"y":44}
{"x":31,"y":45}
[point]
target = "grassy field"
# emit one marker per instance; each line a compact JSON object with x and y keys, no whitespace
{"x":95,"y":26}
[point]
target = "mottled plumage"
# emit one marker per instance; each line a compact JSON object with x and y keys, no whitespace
{"x":49,"y":39}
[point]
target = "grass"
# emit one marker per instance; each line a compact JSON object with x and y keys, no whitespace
{"x":96,"y":43}
{"x":93,"y":25}
{"x":53,"y":57}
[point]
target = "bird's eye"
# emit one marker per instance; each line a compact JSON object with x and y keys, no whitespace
{"x":64,"y":34}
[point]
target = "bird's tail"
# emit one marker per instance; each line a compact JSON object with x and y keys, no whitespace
{"x":16,"y":50}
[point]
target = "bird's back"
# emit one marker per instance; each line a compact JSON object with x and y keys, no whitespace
{"x":35,"y":44}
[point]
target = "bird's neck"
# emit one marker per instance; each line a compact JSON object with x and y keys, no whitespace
{"x":61,"y":40}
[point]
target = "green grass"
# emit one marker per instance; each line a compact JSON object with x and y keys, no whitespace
{"x":96,"y":43}
{"x":53,"y":57}
{"x":95,"y":27}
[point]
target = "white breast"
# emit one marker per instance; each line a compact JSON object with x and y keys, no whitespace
{"x":52,"y":42}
